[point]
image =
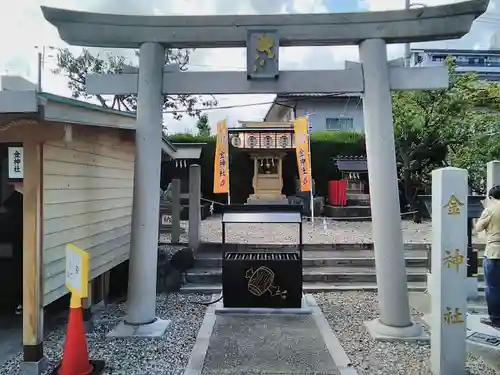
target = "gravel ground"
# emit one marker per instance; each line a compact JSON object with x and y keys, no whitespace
{"x":166,"y":356}
{"x":346,"y":312}
{"x":335,"y":232}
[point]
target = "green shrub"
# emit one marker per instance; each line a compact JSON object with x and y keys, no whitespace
{"x":324,"y":146}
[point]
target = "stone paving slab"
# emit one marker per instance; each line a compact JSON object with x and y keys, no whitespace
{"x":272,"y":344}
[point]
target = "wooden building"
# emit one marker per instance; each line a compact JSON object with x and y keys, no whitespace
{"x":71,"y":166}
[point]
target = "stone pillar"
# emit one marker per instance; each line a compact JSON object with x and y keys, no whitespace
{"x":449,"y":270}
{"x":141,"y":303}
{"x":394,"y":321}
{"x":492,"y":174}
{"x":194,"y":206}
{"x":176,"y":211}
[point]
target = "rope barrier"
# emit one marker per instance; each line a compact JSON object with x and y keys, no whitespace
{"x":354,"y":217}
{"x":213,"y":202}
{"x":322,"y":218}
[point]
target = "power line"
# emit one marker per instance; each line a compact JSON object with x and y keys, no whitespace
{"x":281,"y":102}
{"x":222,"y":107}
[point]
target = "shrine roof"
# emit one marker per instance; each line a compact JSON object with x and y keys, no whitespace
{"x":260,"y":130}
{"x":188,"y":151}
{"x":351,"y":163}
{"x":19,"y":99}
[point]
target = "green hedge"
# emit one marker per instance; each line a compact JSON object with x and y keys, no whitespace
{"x":324,"y":146}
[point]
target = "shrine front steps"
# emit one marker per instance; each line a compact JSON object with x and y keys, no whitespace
{"x":325,"y":270}
{"x":321,"y":274}
{"x":314,"y":287}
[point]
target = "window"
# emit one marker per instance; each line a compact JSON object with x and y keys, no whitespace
{"x":340,"y":124}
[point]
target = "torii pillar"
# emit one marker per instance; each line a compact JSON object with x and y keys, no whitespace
{"x":141,"y":317}
{"x":371,"y":31}
{"x":394,"y":321}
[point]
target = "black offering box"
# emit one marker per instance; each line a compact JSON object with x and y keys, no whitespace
{"x":262,"y":278}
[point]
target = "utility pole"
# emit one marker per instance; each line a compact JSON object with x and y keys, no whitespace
{"x":41,"y":63}
{"x":40,"y":69}
{"x":407,"y":45}
{"x":408,"y":5}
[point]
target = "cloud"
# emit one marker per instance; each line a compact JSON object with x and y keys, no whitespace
{"x":479,"y":36}
{"x":23,"y":20}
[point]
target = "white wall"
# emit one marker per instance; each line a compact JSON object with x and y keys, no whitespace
{"x":332,"y":108}
{"x":87,"y":200}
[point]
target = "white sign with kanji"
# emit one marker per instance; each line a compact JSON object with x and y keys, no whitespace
{"x":166,"y":219}
{"x":16,"y":162}
{"x":77,"y":270}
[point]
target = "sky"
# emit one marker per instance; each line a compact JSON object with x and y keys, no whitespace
{"x":23,"y":32}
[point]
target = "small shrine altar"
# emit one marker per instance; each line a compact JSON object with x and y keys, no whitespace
{"x":186,"y":154}
{"x":267,"y":143}
{"x":349,"y":197}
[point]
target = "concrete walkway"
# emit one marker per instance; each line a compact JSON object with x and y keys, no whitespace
{"x":270,"y":343}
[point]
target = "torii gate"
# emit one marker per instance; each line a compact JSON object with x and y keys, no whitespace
{"x":262,"y":35}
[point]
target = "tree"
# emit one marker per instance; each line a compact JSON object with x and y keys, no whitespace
{"x":76,"y":69}
{"x":203,"y":126}
{"x":433,"y":127}
{"x":474,"y":155}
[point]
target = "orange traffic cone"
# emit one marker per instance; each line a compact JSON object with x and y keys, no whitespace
{"x":75,"y":359}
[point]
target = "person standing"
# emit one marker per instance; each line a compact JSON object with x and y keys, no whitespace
{"x":490,"y":223}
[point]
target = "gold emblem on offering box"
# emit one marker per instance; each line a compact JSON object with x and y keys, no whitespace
{"x":454,"y":259}
{"x":453,"y":205}
{"x":453,"y":317}
{"x":265,"y":45}
{"x":261,"y":281}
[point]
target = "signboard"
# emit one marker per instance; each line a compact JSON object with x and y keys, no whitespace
{"x":262,"y":54}
{"x":485,"y":339}
{"x":77,"y":270}
{"x":16,"y":163}
{"x":166,"y":219}
{"x":221,"y":162}
{"x":302,"y":150}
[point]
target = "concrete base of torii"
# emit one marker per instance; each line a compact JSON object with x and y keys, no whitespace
{"x":154,"y":329}
{"x":382,"y":332}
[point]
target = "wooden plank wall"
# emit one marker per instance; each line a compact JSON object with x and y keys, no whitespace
{"x":87,"y":200}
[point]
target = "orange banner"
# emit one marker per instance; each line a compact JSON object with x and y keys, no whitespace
{"x":221,"y":162}
{"x":301,"y":127}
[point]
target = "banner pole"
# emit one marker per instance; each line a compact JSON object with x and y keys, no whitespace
{"x":310,"y":169}
{"x":310,"y":176}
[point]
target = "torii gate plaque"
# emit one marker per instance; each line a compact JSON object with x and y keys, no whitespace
{"x":373,"y":77}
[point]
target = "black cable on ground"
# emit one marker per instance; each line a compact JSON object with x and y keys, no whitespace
{"x":206,"y":303}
